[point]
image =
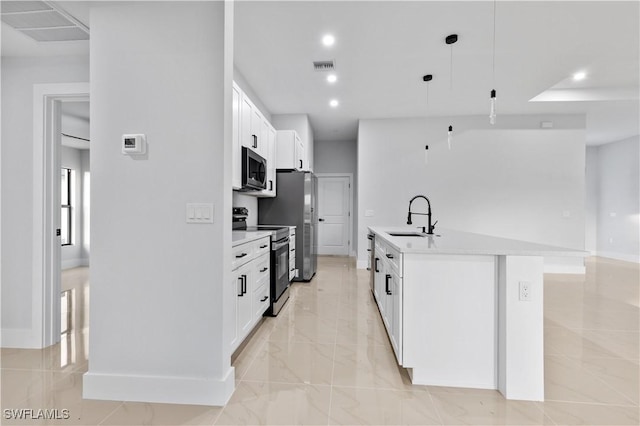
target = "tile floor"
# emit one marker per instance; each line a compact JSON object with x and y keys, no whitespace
{"x":326,"y":360}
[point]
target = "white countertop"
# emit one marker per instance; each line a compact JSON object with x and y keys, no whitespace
{"x":241,"y":237}
{"x":446,"y":241}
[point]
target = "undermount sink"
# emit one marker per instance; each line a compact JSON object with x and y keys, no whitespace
{"x":407,"y":234}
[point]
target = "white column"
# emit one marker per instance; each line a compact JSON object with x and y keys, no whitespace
{"x":520,"y":328}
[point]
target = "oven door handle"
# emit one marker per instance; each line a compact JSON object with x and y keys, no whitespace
{"x":279,"y":244}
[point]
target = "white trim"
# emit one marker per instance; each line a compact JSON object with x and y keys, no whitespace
{"x":74,"y":263}
{"x":20,"y":338}
{"x":361,"y":264}
{"x":160,"y":389}
{"x":350,"y":177}
{"x":46,"y":247}
{"x":633,"y":258}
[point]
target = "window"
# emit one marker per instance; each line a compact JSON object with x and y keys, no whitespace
{"x":65,"y":213}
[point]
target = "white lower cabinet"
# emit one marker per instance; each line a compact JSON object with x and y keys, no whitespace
{"x":292,"y":253}
{"x":387,"y":290}
{"x":248,"y":296}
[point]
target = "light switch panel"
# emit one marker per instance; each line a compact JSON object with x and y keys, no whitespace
{"x":199,"y":213}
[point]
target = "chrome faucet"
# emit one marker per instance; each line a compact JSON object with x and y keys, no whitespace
{"x":428,"y":214}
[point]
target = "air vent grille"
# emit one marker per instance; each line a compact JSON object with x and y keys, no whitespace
{"x":43,"y":21}
{"x":324,"y":65}
{"x":23,"y":6}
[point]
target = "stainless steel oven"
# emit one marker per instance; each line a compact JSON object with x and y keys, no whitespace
{"x":279,"y":273}
{"x":279,"y":264}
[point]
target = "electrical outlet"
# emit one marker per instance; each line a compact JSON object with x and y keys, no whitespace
{"x":525,"y":291}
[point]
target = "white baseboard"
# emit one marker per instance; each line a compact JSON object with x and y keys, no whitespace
{"x":160,"y":389}
{"x":361,"y":264}
{"x":21,"y":338}
{"x":619,"y":256}
{"x":74,"y":263}
{"x":564,"y":269}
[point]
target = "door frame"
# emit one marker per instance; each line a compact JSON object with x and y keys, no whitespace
{"x":45,"y":300}
{"x":350,"y":251}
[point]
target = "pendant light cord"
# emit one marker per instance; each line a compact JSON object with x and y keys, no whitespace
{"x":451,"y":69}
{"x":494,"y":43}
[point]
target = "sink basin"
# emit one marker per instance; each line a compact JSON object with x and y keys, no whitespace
{"x":407,"y":234}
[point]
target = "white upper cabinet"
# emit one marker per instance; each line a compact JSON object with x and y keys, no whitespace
{"x":270,"y":137}
{"x":236,"y":150}
{"x":290,"y":153}
{"x":300,"y":123}
{"x":252,"y":130}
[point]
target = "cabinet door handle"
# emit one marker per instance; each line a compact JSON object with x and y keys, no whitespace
{"x":270,"y":185}
{"x":293,"y":249}
{"x":292,"y":269}
{"x":389,"y":256}
{"x":240,"y":279}
{"x":263,"y":269}
{"x":376,"y":265}
{"x":241,"y":255}
{"x":255,"y":141}
{"x":244,"y":284}
{"x":264,"y":246}
{"x":386,"y":284}
{"x":301,"y":164}
{"x":264,"y":298}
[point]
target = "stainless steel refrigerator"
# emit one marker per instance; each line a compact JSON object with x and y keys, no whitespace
{"x":295,"y":205}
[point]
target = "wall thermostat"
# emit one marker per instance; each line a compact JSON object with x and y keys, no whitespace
{"x":134,"y":144}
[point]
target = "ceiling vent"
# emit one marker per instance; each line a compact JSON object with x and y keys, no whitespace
{"x":42,"y":21}
{"x":323,"y":66}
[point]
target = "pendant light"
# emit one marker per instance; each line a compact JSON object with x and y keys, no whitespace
{"x":450,"y":40}
{"x":492,"y":111}
{"x":427,"y":78}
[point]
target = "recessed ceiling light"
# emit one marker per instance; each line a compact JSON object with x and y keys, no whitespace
{"x":579,"y":76}
{"x":333,"y":103}
{"x":328,"y":40}
{"x":331,"y":78}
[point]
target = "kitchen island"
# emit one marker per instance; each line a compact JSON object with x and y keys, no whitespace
{"x":463,"y":309}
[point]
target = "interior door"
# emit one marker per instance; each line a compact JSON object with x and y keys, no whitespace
{"x":334,"y":194}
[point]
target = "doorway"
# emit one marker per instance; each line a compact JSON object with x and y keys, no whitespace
{"x":47,"y":122}
{"x":335,"y":204}
{"x":74,"y":216}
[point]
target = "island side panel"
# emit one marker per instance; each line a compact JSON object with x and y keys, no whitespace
{"x":449,"y":319}
{"x":521,"y":328}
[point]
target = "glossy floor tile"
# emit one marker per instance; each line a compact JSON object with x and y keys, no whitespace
{"x":326,"y":359}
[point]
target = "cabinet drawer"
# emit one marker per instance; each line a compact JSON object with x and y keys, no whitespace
{"x":242,"y":254}
{"x":261,"y":298}
{"x":262,"y":246}
{"x":292,"y":268}
{"x":263,"y":267}
{"x":395,"y":260}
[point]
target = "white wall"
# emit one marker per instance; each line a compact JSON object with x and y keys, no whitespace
{"x":250,"y":202}
{"x":340,"y":157}
{"x":248,"y":90}
{"x":591,"y":200}
{"x":618,"y":191}
{"x":18,"y":77}
{"x":299,"y":123}
{"x":515,"y":180}
{"x":163,"y":69}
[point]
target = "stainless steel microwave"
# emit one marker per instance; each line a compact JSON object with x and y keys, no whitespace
{"x":254,"y":171}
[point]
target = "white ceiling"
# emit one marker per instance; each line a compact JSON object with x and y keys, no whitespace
{"x":383,"y":48}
